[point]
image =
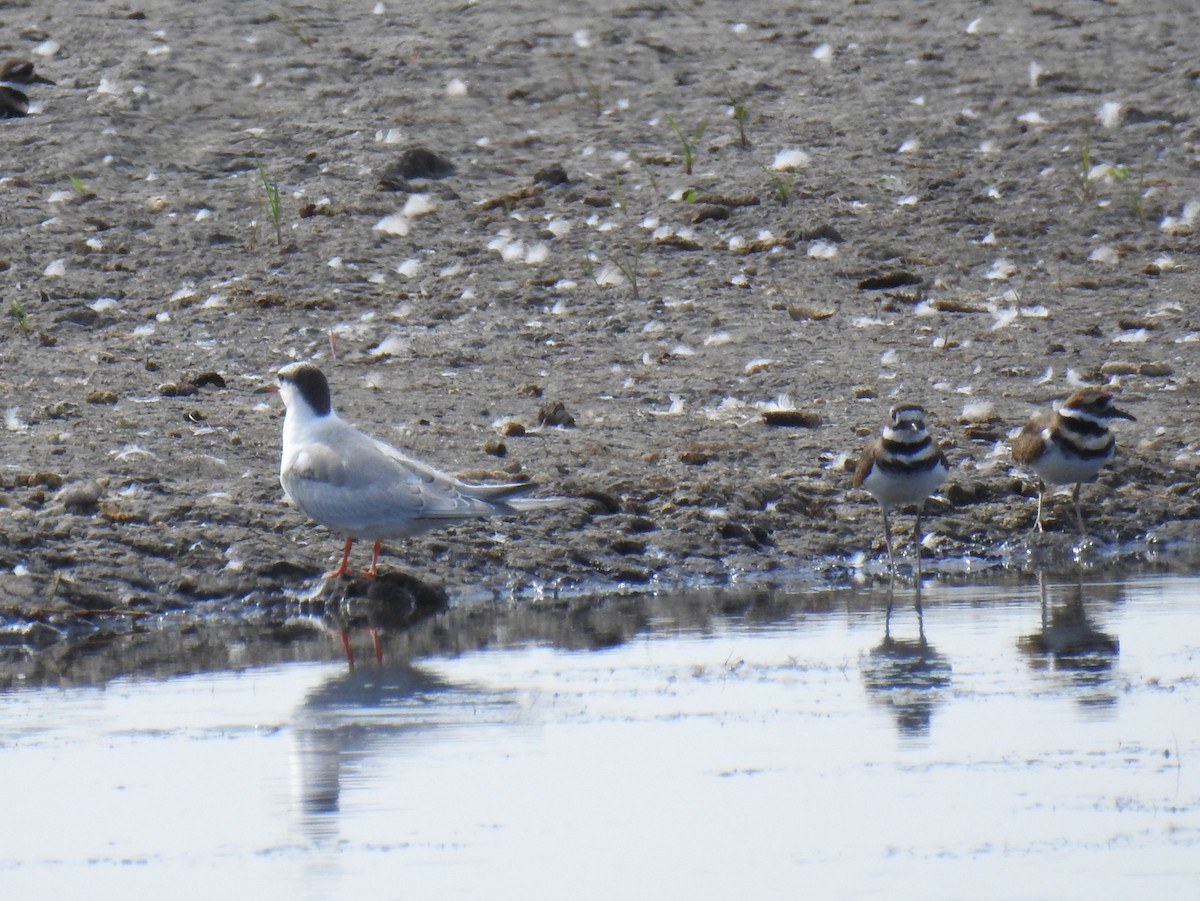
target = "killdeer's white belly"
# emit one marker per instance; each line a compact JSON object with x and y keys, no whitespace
{"x":1057,"y":467}
{"x":898,"y":489}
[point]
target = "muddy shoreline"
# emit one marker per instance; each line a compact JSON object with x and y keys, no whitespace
{"x":985,"y":212}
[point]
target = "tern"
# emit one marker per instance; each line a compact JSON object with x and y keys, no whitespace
{"x":362,"y":488}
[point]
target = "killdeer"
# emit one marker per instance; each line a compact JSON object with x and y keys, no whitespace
{"x":902,"y":468}
{"x":1070,"y":444}
{"x":15,"y":74}
{"x":364,"y":488}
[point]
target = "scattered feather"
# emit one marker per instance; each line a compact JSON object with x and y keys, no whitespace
{"x":757,"y":365}
{"x":418,"y":205}
{"x":512,"y":251}
{"x":1137,"y":336}
{"x":1035,"y":74}
{"x":611,"y":276}
{"x":1110,"y":113}
{"x":677,"y":408}
{"x":978,"y":411}
{"x":391,"y":346}
{"x":395,"y":224}
{"x":1002,"y":269}
{"x":789,"y":159}
{"x":822,"y":250}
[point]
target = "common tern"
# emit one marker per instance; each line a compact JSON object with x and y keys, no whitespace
{"x":362,"y":488}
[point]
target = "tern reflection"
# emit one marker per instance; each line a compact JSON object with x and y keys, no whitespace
{"x":907,"y":675}
{"x":372,"y":711}
{"x":1069,"y":644}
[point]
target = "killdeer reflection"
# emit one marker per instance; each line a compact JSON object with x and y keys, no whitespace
{"x":14,"y":75}
{"x":902,"y":468}
{"x":1070,"y":444}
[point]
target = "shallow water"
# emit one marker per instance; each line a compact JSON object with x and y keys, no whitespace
{"x":808,"y":754}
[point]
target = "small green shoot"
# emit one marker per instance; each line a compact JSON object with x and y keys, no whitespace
{"x":1085,"y":165}
{"x":80,"y":188}
{"x":271,"y":192}
{"x":688,"y":143}
{"x":627,"y":262}
{"x":1134,"y":189}
{"x":740,"y":116}
{"x":17,"y":310}
{"x":594,"y":91}
{"x":781,"y":183}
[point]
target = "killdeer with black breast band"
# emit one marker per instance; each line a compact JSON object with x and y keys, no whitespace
{"x":14,"y":75}
{"x":1070,"y":444}
{"x":901,"y":468}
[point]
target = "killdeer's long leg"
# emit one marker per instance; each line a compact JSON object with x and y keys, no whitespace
{"x":917,"y":541}
{"x":887,"y":537}
{"x":1037,"y":523}
{"x":891,"y":597}
{"x":1078,"y":511}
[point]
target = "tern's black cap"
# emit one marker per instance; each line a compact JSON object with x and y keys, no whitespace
{"x":311,"y":383}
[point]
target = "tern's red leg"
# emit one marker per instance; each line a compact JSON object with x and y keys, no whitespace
{"x":341,"y":570}
{"x":370,"y":571}
{"x":346,"y":647}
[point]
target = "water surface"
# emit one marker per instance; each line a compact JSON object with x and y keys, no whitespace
{"x":1010,"y":752}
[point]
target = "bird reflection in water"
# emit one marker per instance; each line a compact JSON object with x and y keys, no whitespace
{"x":365,"y":713}
{"x":389,"y":604}
{"x":906,"y":675}
{"x":1069,"y":643}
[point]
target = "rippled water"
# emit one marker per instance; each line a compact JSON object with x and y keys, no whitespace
{"x":1015,"y":751}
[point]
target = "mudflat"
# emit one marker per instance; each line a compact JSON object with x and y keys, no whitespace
{"x":479,"y":221}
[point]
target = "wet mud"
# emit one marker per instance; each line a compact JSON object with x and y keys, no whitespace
{"x":485,"y":233}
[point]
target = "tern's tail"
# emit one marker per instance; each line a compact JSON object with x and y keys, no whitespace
{"x":522,"y":504}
